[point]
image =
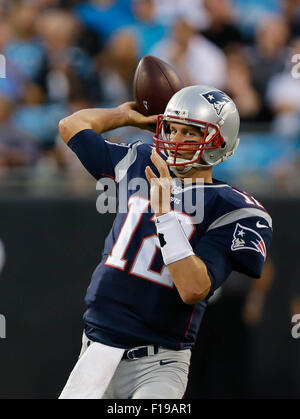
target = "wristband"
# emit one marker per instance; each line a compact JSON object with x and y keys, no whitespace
{"x":173,"y":241}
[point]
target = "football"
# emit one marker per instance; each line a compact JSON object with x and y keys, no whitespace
{"x":154,"y":84}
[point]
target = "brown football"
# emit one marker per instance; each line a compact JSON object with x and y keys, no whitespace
{"x":155,"y":82}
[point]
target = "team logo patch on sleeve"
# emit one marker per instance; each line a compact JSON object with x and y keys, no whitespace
{"x":217,"y":100}
{"x":246,"y":238}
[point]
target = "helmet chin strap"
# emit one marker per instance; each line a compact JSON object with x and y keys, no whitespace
{"x":187,"y":167}
{"x":180,"y":172}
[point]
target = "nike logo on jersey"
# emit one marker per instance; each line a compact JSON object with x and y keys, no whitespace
{"x":258,"y":225}
{"x":166,"y":362}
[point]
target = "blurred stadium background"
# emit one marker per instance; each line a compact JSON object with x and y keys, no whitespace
{"x":64,"y":55}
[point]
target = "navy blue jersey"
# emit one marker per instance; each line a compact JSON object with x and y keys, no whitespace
{"x":131,"y":299}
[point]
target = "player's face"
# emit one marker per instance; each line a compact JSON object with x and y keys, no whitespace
{"x":185,"y":134}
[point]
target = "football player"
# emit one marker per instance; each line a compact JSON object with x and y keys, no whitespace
{"x":161,"y":265}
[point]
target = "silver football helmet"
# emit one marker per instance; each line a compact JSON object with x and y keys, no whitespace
{"x":214,"y":113}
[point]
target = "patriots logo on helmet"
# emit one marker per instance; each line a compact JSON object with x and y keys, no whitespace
{"x":217,"y":99}
{"x":246,"y":238}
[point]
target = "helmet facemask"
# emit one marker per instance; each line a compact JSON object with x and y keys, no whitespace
{"x":212,"y":139}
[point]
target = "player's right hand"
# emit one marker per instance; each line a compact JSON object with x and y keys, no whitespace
{"x":136,"y":119}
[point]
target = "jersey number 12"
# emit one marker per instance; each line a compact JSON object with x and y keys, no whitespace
{"x":147,"y":248}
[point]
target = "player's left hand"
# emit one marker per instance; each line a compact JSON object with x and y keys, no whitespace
{"x":160,"y":188}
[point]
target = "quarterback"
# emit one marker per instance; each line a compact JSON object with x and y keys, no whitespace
{"x":160,"y":265}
